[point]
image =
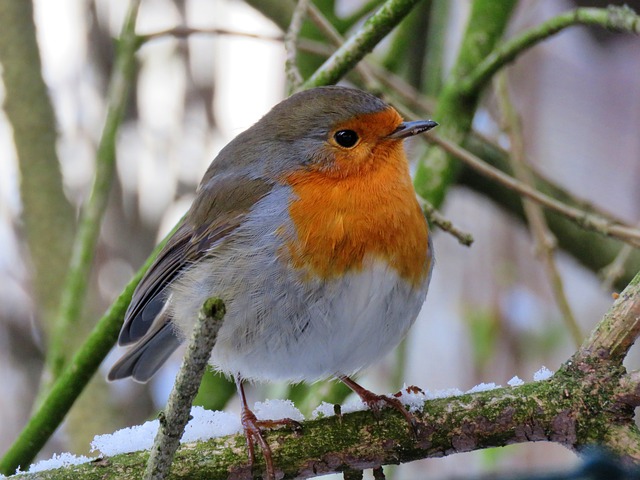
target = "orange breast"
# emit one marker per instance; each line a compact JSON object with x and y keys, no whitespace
{"x":372,"y":211}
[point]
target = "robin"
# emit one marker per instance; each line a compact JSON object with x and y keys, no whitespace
{"x":307,"y":226}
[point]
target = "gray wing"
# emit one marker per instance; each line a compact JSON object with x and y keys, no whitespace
{"x":219,"y":208}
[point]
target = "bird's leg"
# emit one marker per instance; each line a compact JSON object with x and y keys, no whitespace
{"x":377,"y":402}
{"x":253,"y":431}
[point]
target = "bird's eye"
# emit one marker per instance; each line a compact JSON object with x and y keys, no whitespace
{"x":346,"y":138}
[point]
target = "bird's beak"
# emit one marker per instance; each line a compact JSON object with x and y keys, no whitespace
{"x":409,"y":129}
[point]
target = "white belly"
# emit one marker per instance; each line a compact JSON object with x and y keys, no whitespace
{"x":311,"y":333}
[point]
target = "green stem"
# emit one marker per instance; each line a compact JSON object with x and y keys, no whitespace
{"x":365,"y":9}
{"x":612,"y":18}
{"x":436,"y":45}
{"x":76,"y":283}
{"x":357,"y":46}
{"x":278,"y":11}
{"x":437,"y":171}
{"x":405,"y":55}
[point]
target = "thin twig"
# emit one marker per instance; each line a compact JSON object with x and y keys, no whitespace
{"x":404,"y":91}
{"x":443,"y":223}
{"x":612,"y":272}
{"x":330,"y":32}
{"x":612,"y":18}
{"x":315,"y":47}
{"x":290,"y":42}
{"x":176,"y":414}
{"x":586,"y":220}
{"x":546,"y":243}
{"x":185,"y":32}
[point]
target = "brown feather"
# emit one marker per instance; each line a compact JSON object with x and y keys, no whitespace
{"x":218,"y":210}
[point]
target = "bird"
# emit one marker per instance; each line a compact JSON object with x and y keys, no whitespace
{"x":308,"y":227}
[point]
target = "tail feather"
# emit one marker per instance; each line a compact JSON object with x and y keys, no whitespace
{"x":145,"y":358}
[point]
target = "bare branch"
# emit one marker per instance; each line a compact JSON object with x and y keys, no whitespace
{"x":290,"y":41}
{"x":176,"y":414}
{"x":444,"y":224}
{"x":612,"y":272}
{"x":185,"y":32}
{"x":546,"y":243}
{"x":587,"y":220}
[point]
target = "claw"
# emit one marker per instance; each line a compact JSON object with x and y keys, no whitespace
{"x":253,"y":432}
{"x":377,"y":402}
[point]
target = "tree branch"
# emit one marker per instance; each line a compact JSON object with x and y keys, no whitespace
{"x":622,"y":19}
{"x":290,"y":41}
{"x":583,"y":218}
{"x":444,"y":224}
{"x":176,"y":414}
{"x":357,"y":46}
{"x":560,"y":409}
{"x":616,"y":333}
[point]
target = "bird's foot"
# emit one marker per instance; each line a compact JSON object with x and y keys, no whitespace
{"x":377,"y":402}
{"x":253,"y":433}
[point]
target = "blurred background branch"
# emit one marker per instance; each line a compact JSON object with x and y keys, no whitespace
{"x":48,"y":217}
{"x":76,"y":285}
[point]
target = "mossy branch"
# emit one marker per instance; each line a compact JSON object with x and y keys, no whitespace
{"x":590,"y":400}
